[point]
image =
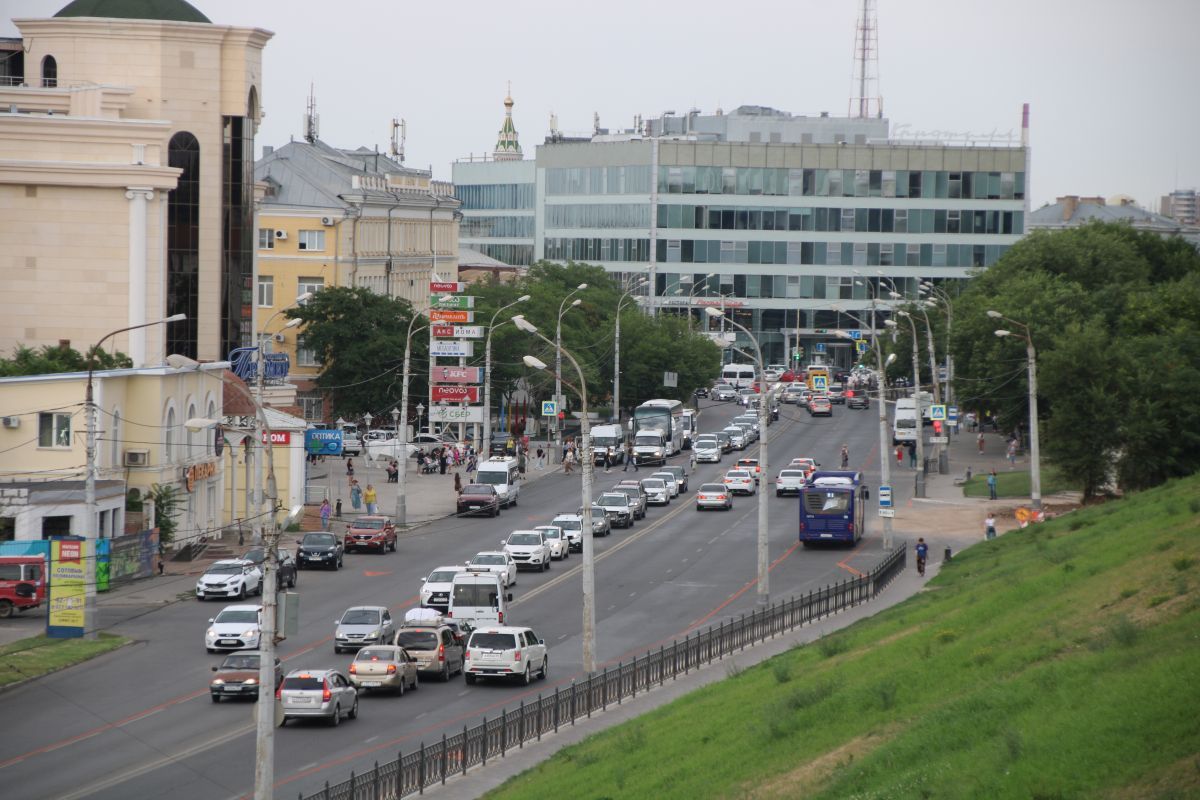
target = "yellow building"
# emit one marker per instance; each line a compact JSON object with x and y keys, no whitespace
{"x":333,"y":217}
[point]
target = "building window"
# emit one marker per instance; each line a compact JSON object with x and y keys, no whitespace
{"x":266,"y":239}
{"x":305,"y":355}
{"x":54,"y":430}
{"x":312,"y":406}
{"x":306,"y":285}
{"x":49,"y":72}
{"x":191,"y":435}
{"x":115,"y":439}
{"x":169,"y":436}
{"x":312,"y":240}
{"x":266,"y":291}
{"x":211,"y":438}
{"x":183,"y":245}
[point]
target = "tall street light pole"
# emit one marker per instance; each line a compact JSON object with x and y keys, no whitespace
{"x":558,"y":426}
{"x":948,"y":306}
{"x":585,"y":433}
{"x":616,"y":411}
{"x":90,"y":530}
{"x":1035,"y":456}
{"x":919,"y":486}
{"x":487,"y":378}
{"x":764,"y":411}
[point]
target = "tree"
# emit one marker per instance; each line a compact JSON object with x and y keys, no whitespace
{"x":166,"y":509}
{"x":51,"y":359}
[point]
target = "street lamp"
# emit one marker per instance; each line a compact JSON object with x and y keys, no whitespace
{"x":562,"y":309}
{"x":89,"y":484}
{"x":487,"y":377}
{"x":948,"y":305}
{"x":919,"y":486}
{"x":1035,"y":460}
{"x":763,"y":413}
{"x":585,"y":450}
{"x":616,"y":413}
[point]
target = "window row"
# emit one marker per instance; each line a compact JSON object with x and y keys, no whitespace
{"x":758,"y":287}
{"x":597,"y":249}
{"x":496,"y":195}
{"x":516,"y":255}
{"x":598,"y":216}
{"x":265,"y":292}
{"x":305,"y":240}
{"x":511,"y":227}
{"x":598,"y":180}
{"x":863,"y":254}
{"x":842,"y":182}
{"x":857,"y":220}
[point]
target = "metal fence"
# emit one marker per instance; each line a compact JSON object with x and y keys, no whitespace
{"x":410,"y":773}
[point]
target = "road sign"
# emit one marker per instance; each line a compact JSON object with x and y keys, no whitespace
{"x":820,"y":383}
{"x":452,"y":347}
{"x":819,"y":347}
{"x":323,"y":443}
{"x":440,"y":315}
{"x":458,"y":331}
{"x":885,"y":496}
{"x":937,"y":412}
{"x":887,"y":512}
{"x":456,"y":374}
{"x":952,"y":414}
{"x":861,"y":345}
{"x":671,"y":380}
{"x":856,"y":335}
{"x":456,"y":394}
{"x":456,"y":413}
{"x":939,"y":440}
{"x":549,"y":408}
{"x":446,"y":287}
{"x":462,"y":302}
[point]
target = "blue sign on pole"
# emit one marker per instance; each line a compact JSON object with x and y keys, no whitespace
{"x":855,"y":334}
{"x":885,"y":497}
{"x":323,"y":443}
{"x":952,"y":413}
{"x":819,"y":347}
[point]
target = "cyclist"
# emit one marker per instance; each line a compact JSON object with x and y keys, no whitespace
{"x":922,"y":553}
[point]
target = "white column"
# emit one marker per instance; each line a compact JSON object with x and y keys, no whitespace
{"x":138,"y":197}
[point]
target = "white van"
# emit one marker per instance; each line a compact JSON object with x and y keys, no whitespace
{"x":904,"y":424}
{"x":477,"y":597}
{"x":650,"y":447}
{"x":688,"y":422}
{"x":739,"y":376}
{"x":608,"y":439}
{"x":502,"y":473}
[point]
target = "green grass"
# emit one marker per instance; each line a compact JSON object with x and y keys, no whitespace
{"x":38,"y":655}
{"x":1016,"y":483}
{"x":1050,"y":663}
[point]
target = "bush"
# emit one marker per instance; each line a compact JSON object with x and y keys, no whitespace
{"x":1183,"y":563}
{"x":782,"y":671}
{"x":831,"y":646}
{"x":1123,"y":631}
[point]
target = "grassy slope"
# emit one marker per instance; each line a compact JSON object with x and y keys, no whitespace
{"x":1060,"y":661}
{"x":38,"y":655}
{"x":1015,"y":483}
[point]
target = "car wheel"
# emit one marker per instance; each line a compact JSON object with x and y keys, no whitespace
{"x":416,"y":681}
{"x":336,"y":719}
{"x":354,"y":709}
{"x":544,"y":669}
{"x":259,"y":590}
{"x":444,"y":677}
{"x":469,"y":677}
{"x":525,"y":677}
{"x":400,"y":689}
{"x":339,"y":564}
{"x":393,"y":545}
{"x":242,"y":592}
{"x":216,"y":698}
{"x":292,"y":580}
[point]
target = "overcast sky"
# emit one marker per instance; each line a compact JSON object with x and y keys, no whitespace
{"x":1112,"y":84}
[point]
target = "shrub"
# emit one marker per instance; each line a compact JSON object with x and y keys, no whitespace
{"x":1128,"y":592}
{"x":831,"y":646}
{"x":1123,"y":631}
{"x":947,"y":636}
{"x":800,"y":699}
{"x":1183,"y":563}
{"x":886,"y":692}
{"x":782,"y":671}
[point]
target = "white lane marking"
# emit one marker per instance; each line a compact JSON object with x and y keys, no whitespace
{"x":373,"y":738}
{"x":562,"y":637}
{"x":423,"y":713}
{"x":631,"y":594}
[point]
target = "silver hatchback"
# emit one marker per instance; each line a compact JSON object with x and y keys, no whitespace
{"x":323,"y":693}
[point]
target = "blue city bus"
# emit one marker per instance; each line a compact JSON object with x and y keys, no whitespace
{"x":833,"y":507}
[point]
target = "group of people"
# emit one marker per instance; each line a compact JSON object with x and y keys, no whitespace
{"x":442,"y":459}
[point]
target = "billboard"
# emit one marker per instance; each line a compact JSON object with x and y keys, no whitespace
{"x":456,"y":375}
{"x":446,"y":287}
{"x":456,"y":413}
{"x":462,"y":302}
{"x":458,"y":331}
{"x":323,"y":443}
{"x":456,"y":394}
{"x":452,"y":347}
{"x":440,"y":315}
{"x":68,"y":587}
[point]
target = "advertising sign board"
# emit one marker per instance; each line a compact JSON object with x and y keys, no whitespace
{"x":452,"y":347}
{"x":441,"y":315}
{"x":458,"y":331}
{"x":456,"y":413}
{"x":456,"y":394}
{"x":446,"y":287}
{"x":456,"y":375}
{"x":68,"y":588}
{"x":462,"y":302}
{"x":323,"y":443}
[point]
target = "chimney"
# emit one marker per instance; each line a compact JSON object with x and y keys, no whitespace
{"x":1069,"y":204}
{"x":268,"y":149}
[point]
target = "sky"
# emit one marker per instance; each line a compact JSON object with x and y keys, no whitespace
{"x":1111,"y":84}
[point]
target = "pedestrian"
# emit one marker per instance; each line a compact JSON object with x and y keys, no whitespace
{"x":349,"y":469}
{"x":628,"y":456}
{"x":541,"y":458}
{"x":1012,"y":453}
{"x":337,"y":510}
{"x":633,"y":456}
{"x":569,"y":461}
{"x":325,"y":511}
{"x":912,"y":454}
{"x":522,"y":458}
{"x":458,"y":483}
{"x":443,"y":461}
{"x":922,"y":554}
{"x":371,"y":499}
{"x":845,"y":456}
{"x":991,"y":484}
{"x":979,"y":441}
{"x":472,"y":463}
{"x":989,"y":526}
{"x":692,"y":461}
{"x":356,"y":496}
{"x":607,"y":460}
{"x":899,"y":455}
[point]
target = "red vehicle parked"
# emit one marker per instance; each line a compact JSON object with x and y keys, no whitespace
{"x":22,"y":583}
{"x":375,"y":534}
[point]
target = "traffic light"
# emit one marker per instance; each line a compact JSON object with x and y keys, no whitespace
{"x":937,"y":427}
{"x":796,"y":356}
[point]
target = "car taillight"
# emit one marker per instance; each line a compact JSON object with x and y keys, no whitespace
{"x":517,"y":655}
{"x":441,"y":652}
{"x":449,"y":613}
{"x":391,"y":669}
{"x":279,"y":693}
{"x":326,"y":695}
{"x":466,"y":655}
{"x":353,"y":669}
{"x":850,"y":527}
{"x":501,"y":618}
{"x":722,"y":497}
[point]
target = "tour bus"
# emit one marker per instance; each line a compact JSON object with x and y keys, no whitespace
{"x":739,"y":376}
{"x":610,"y":440}
{"x":833,"y":505}
{"x":664,"y":417}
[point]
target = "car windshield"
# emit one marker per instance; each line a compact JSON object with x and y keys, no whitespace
{"x":723,"y":387}
{"x":474,"y":594}
{"x":372,"y":524}
{"x":569,"y":524}
{"x":417,"y":640}
{"x":318,"y":540}
{"x":737,"y":473}
{"x":612,"y":500}
{"x":224,"y":569}
{"x":237,"y":615}
{"x":604,"y":441}
{"x":375,"y":654}
{"x":243,"y":661}
{"x":647,"y":439}
{"x":654,"y":483}
{"x":493,"y":477}
{"x":493,"y":641}
{"x":710,"y":441}
{"x":488,"y":559}
{"x":255,"y":554}
{"x":360,"y":616}
{"x":712,"y":487}
{"x":477,"y":488}
{"x":551,"y":533}
{"x":441,"y":576}
{"x":906,"y":423}
{"x":525,"y":539}
{"x":304,"y":683}
{"x":734,"y":432}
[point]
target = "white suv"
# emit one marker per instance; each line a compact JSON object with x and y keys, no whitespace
{"x":435,"y":592}
{"x":557,"y":540}
{"x":572,"y":528}
{"x":528,"y":549}
{"x":229,"y":578}
{"x":513,"y":653}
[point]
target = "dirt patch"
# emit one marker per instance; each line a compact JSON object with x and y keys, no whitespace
{"x":1180,"y":779}
{"x":808,"y":778}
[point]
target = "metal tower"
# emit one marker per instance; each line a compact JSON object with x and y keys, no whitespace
{"x":866,"y":65}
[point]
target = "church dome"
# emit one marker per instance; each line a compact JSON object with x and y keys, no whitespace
{"x":166,"y":10}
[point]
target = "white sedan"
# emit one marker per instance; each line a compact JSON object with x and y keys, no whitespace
{"x":498,"y":562}
{"x":739,"y":481}
{"x":560,"y":546}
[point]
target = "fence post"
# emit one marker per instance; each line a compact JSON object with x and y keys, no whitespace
{"x":375,"y":782}
{"x":326,"y":790}
{"x":464,"y":751}
{"x":556,"y":709}
{"x":540,"y":715}
{"x":503,"y":731}
{"x":589,"y":695}
{"x":443,"y":765}
{"x":421,"y":770}
{"x":521,"y":726}
{"x":486,"y":741}
{"x":635,"y":676}
{"x":573,"y":695}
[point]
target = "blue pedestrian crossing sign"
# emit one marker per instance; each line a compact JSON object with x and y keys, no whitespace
{"x":861,"y":345}
{"x":937,"y":412}
{"x":885,"y":497}
{"x":819,"y":347}
{"x":549,"y":408}
{"x":819,"y":383}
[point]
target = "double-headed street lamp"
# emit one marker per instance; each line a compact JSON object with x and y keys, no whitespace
{"x":487,"y":377}
{"x":585,"y":435}
{"x":563,"y":308}
{"x":919,"y":486}
{"x":947,"y":305}
{"x":616,"y":410}
{"x":764,"y":411}
{"x":690,"y":295}
{"x":1035,"y":460}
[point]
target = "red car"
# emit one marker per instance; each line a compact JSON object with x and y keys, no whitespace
{"x":375,"y":534}
{"x":22,"y":583}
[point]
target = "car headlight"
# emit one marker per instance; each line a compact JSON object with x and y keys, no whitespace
{"x":210,"y":634}
{"x":251,"y":681}
{"x":373,"y":634}
{"x":250,"y":633}
{"x":218,"y":682}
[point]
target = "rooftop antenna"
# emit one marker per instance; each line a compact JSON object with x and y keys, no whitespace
{"x":312,"y":120}
{"x":866,"y":65}
{"x":399,"y":134}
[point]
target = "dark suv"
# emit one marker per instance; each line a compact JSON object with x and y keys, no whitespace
{"x":285,"y":566}
{"x":319,"y":549}
{"x":479,"y":498}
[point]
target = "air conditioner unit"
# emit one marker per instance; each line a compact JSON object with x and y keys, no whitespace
{"x":137,"y":458}
{"x":280,"y":233}
{"x":279,"y":337}
{"x":327,"y":221}
{"x":11,"y":422}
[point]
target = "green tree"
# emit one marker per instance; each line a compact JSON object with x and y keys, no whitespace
{"x":51,"y":359}
{"x":166,"y":510}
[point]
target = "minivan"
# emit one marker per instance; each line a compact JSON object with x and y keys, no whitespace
{"x":502,"y":473}
{"x":610,"y":440}
{"x":477,"y":597}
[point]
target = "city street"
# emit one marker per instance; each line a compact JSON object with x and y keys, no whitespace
{"x":138,"y":723}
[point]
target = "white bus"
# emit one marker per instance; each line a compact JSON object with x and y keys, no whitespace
{"x":663,"y":416}
{"x":739,"y":376}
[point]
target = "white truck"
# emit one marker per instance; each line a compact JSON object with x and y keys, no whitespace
{"x":610,"y":440}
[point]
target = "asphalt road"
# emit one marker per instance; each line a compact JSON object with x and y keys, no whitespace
{"x":138,"y":723}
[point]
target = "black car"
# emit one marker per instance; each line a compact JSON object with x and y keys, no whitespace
{"x":319,"y":549}
{"x":285,"y":565}
{"x":701,"y":391}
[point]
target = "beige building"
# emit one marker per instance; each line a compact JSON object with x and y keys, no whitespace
{"x":126,"y":175}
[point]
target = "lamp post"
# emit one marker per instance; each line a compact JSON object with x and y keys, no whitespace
{"x":764,"y":430}
{"x":487,"y":378}
{"x":420,"y":414}
{"x":585,"y":434}
{"x":89,"y":484}
{"x":616,"y":412}
{"x":948,"y":306}
{"x":919,"y":485}
{"x":562,"y":309}
{"x":1035,"y":460}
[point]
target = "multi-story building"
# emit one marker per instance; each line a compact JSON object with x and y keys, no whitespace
{"x":126,"y":173}
{"x":1072,"y":211}
{"x":1182,"y":205}
{"x":334,"y":217}
{"x":787,"y":222}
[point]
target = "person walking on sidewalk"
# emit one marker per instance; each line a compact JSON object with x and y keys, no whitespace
{"x":541,"y":458}
{"x":372,"y":499}
{"x":326,"y":510}
{"x":349,"y":470}
{"x":922,"y":554}
{"x":912,"y":454}
{"x":356,"y":496}
{"x":991,"y":484}
{"x":569,"y":461}
{"x":845,"y":456}
{"x":628,"y":457}
{"x":989,"y":526}
{"x":1012,"y":453}
{"x":979,"y":440}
